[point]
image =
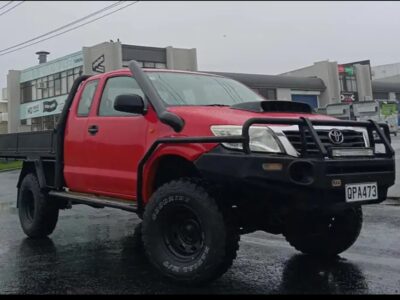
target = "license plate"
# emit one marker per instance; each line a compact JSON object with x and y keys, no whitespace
{"x":361,"y":191}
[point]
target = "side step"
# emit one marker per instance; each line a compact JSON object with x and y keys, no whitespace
{"x":96,"y":201}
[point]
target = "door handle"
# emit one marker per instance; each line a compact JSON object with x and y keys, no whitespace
{"x":93,"y":129}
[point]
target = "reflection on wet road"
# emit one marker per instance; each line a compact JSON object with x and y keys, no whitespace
{"x":99,"y":251}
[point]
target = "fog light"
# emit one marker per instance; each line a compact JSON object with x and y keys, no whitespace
{"x":337,"y":152}
{"x":301,"y":172}
{"x":272,"y":167}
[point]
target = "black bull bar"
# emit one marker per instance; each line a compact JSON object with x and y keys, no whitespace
{"x":305,"y":124}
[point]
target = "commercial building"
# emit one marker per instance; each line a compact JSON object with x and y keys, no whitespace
{"x":386,"y":90}
{"x":37,"y":94}
{"x":344,"y":82}
{"x":387,"y":73}
{"x":275,"y":87}
{"x":3,"y":111}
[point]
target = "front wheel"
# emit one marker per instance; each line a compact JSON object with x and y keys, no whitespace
{"x":37,"y":214}
{"x":186,"y":235}
{"x":325,"y":235}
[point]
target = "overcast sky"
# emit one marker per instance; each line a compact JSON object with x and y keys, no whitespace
{"x":253,"y":37}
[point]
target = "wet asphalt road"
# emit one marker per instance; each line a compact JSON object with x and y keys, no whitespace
{"x":96,"y":251}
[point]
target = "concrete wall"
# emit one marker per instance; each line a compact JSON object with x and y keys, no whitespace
{"x":389,"y":72}
{"x":102,"y":58}
{"x":3,"y":106}
{"x":392,"y":96}
{"x":3,"y":128}
{"x":394,"y":79}
{"x":3,"y":112}
{"x":283,"y":94}
{"x":364,"y":83}
{"x":327,"y":71}
{"x":13,"y":96}
{"x":4,"y":93}
{"x":181,"y":59}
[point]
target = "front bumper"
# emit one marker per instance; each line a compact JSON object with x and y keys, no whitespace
{"x":322,"y":179}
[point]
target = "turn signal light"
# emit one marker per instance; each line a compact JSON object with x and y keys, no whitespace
{"x":272,"y":167}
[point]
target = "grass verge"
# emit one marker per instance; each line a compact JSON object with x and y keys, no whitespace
{"x":8,"y":165}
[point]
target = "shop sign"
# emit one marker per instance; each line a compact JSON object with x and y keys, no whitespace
{"x":346,"y":69}
{"x":41,"y":108}
{"x":347,"y":97}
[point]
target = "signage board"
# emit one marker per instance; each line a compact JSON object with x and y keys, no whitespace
{"x":41,"y":108}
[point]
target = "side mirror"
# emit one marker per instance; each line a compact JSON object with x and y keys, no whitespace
{"x":130,"y":103}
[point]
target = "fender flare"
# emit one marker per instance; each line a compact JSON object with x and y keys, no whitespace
{"x":33,"y":166}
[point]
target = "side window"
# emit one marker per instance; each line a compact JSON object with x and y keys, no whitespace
{"x":87,"y":98}
{"x":116,"y":86}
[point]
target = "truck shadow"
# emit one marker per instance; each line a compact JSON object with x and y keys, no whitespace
{"x":121,"y":267}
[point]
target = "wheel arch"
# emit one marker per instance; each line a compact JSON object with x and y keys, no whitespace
{"x":32,"y":167}
{"x":166,"y":168}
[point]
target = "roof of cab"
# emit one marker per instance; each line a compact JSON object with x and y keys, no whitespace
{"x":127,"y":71}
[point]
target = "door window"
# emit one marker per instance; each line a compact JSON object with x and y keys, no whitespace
{"x":87,"y":98}
{"x":116,"y":86}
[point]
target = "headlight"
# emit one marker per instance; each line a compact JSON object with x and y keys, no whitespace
{"x":262,"y":139}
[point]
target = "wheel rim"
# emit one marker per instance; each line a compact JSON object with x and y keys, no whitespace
{"x":183,"y":234}
{"x":28,"y":203}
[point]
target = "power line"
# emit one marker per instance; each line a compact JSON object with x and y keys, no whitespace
{"x":18,"y":4}
{"x":7,"y":4}
{"x":73,"y":28}
{"x":64,"y":26}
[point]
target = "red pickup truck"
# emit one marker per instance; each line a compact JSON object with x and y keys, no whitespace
{"x":201,"y":159}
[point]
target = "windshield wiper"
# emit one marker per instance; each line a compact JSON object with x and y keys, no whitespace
{"x":216,"y":105}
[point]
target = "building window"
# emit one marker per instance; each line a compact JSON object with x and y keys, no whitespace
{"x":39,"y":90}
{"x":33,"y":84}
{"x":70,"y":79}
{"x":380,"y":95}
{"x":160,"y":66}
{"x":48,"y":123}
{"x":64,"y":89}
{"x":77,"y":72}
{"x":148,"y":64}
{"x":49,"y":86}
{"x":36,"y":124}
{"x":348,"y":83}
{"x":57,"y":84}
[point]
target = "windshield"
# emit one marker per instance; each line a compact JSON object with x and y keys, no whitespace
{"x":178,"y":89}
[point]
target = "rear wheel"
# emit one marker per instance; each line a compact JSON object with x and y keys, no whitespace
{"x":325,"y":235}
{"x":37,"y":214}
{"x":186,"y":235}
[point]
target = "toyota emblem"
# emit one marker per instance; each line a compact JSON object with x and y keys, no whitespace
{"x":336,"y":136}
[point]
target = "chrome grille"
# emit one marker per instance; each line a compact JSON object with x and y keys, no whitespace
{"x":352,"y":139}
